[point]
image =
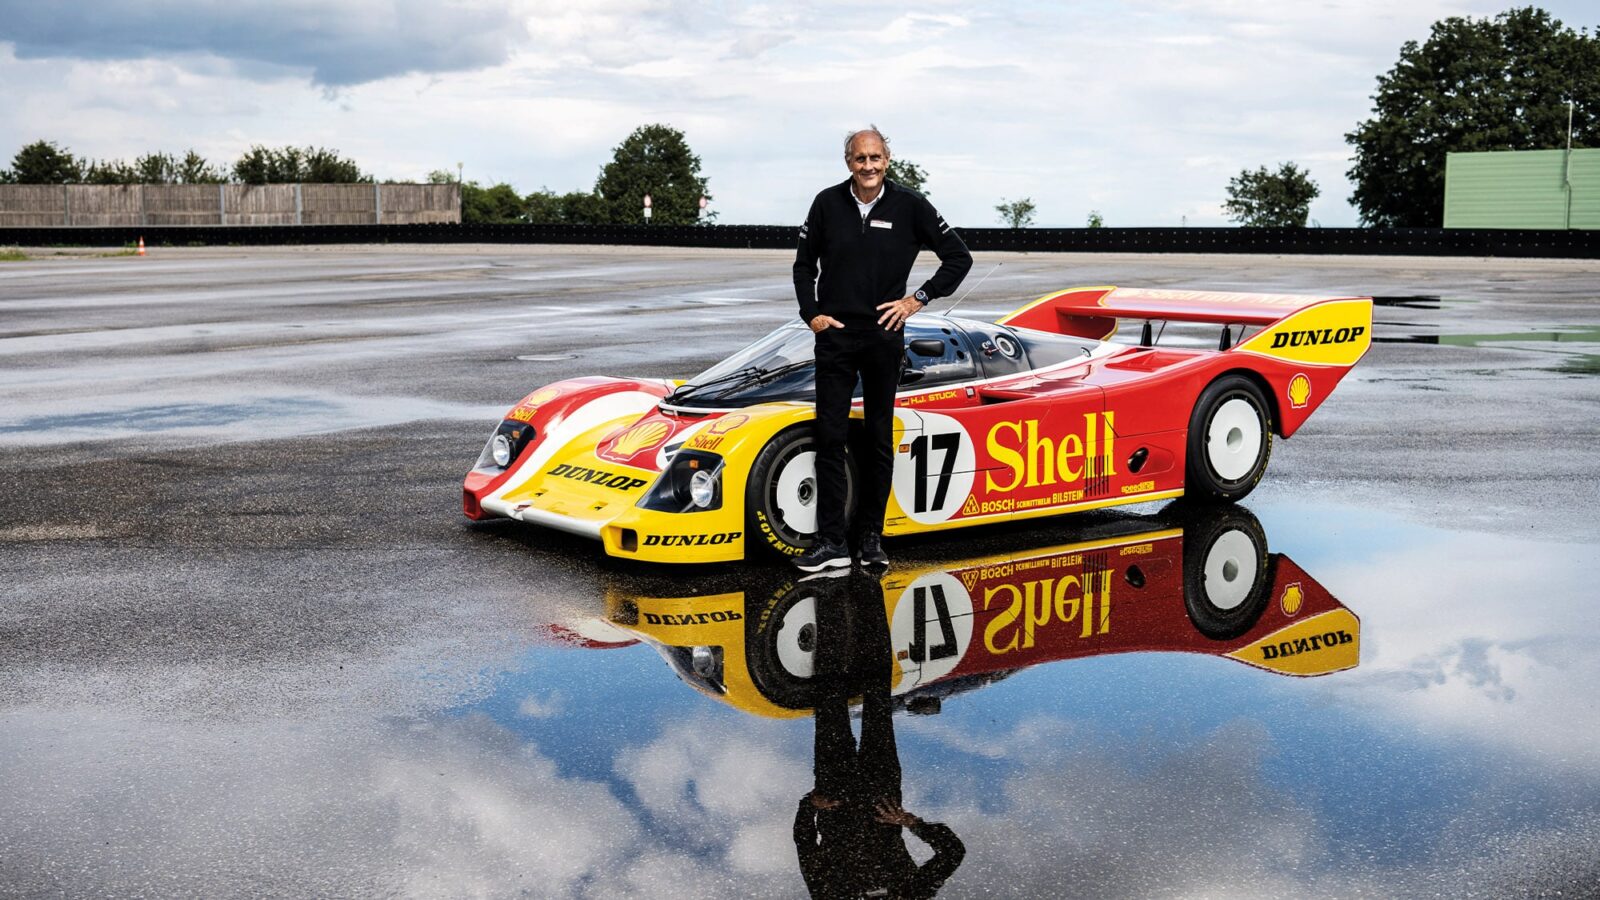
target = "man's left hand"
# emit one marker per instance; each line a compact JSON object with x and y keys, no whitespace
{"x":896,"y":312}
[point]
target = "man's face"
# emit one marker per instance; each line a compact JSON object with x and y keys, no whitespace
{"x":868,"y":161}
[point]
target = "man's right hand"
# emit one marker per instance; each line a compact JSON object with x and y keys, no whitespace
{"x":823,"y":322}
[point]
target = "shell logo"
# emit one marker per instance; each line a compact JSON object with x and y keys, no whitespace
{"x":1293,"y":597}
{"x":541,"y":397}
{"x":640,"y":437}
{"x":1299,"y":390}
{"x":727,"y":423}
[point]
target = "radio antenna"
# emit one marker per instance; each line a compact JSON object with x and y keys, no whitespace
{"x":971,"y":289}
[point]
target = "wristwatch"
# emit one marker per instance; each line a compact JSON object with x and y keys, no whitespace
{"x":921,"y":296}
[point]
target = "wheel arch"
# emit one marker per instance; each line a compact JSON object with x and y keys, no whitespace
{"x":1261,"y":383}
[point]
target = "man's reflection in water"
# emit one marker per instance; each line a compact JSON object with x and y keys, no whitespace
{"x":848,"y":829}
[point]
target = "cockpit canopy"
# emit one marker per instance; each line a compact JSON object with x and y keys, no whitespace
{"x":780,"y":366}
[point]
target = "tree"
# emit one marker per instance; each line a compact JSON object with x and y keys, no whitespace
{"x":653,"y":160}
{"x":546,"y":207}
{"x":193,"y":169}
{"x":1096,"y":220}
{"x":1016,"y":213}
{"x":1263,"y":199}
{"x":291,"y":165}
{"x":109,"y":171}
{"x":906,"y":173}
{"x":42,"y":162}
{"x":320,"y":166}
{"x":1475,"y":84}
{"x":496,"y":205}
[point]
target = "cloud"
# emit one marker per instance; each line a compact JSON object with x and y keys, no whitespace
{"x":337,"y":43}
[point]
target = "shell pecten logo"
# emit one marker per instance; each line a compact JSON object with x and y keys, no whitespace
{"x":727,"y":423}
{"x":1299,"y":390}
{"x":640,"y":437}
{"x":1293,"y":597}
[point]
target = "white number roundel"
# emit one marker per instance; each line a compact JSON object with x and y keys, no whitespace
{"x":933,"y":468}
{"x":931,"y":628}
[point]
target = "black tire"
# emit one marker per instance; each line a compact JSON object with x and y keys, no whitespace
{"x":772,"y":490}
{"x":1226,"y":571}
{"x":780,"y":643}
{"x":1230,"y":439}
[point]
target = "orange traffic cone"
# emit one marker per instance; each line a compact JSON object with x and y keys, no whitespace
{"x":141,"y":245}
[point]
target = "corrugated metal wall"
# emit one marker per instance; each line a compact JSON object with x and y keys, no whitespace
{"x":1521,"y":189}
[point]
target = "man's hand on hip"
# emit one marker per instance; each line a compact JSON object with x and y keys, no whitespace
{"x":896,"y":312}
{"x":822,"y":323}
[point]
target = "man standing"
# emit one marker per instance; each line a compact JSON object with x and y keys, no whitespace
{"x":865,"y":233}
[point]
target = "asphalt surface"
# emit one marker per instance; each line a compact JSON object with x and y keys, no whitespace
{"x":249,"y":646}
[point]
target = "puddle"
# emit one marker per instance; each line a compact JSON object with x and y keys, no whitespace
{"x":168,"y":417}
{"x":1096,"y":696}
{"x":1578,"y":346}
{"x":1572,"y":335}
{"x":1421,"y":301}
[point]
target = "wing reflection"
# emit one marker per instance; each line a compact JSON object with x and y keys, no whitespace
{"x":1188,"y":580}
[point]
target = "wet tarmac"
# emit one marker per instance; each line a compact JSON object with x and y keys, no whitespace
{"x":249,"y":646}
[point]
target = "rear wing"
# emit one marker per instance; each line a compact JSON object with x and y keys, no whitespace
{"x":1313,"y":330}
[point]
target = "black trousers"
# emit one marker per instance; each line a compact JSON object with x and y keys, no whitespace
{"x":872,"y":354}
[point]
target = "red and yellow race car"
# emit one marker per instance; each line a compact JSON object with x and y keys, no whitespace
{"x":1049,"y":410}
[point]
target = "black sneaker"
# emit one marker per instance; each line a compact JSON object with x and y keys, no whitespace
{"x":872,"y":550}
{"x":824,"y":555}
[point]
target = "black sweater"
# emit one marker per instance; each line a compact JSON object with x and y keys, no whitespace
{"x":845,"y":852}
{"x":866,"y":262}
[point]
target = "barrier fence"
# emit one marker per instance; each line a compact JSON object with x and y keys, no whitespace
{"x":1331,"y":241}
{"x":152,"y":206}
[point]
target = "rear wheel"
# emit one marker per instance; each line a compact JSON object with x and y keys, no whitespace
{"x":1230,"y":439}
{"x":1225,"y":573}
{"x":781,"y":497}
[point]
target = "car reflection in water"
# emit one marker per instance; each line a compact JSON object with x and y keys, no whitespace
{"x":1194,"y":580}
{"x":1190,"y":579}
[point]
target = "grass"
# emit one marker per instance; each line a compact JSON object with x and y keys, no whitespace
{"x":12,"y":254}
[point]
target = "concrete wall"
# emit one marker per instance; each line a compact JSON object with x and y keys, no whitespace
{"x":1522,"y":189}
{"x":138,"y":205}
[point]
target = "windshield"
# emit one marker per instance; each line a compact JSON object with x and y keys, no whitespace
{"x":741,"y":379}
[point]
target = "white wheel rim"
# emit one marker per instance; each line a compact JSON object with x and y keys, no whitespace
{"x":795,"y":660}
{"x":1233,"y":440}
{"x":796,"y":499}
{"x":1231,"y":566}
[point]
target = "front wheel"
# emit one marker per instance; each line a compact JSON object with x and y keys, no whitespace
{"x":781,"y":497}
{"x":1230,"y":439}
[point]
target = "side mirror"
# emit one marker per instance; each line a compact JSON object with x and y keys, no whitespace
{"x":927,"y":347}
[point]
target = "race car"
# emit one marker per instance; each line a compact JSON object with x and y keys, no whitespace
{"x":1046,"y":411}
{"x":1188,"y":581}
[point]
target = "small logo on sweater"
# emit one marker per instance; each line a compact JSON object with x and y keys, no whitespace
{"x":881,"y":223}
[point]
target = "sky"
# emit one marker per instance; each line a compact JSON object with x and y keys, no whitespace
{"x":1141,"y":110}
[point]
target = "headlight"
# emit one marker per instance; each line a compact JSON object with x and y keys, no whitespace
{"x":706,"y":662}
{"x":505,"y":445}
{"x":703,"y":488}
{"x":692,"y":482}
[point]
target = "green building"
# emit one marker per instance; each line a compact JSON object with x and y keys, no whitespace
{"x":1522,"y":189}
